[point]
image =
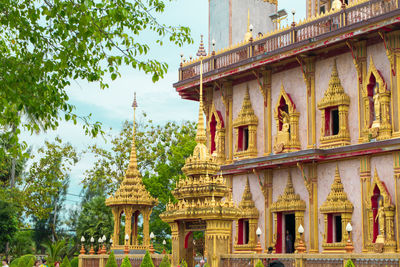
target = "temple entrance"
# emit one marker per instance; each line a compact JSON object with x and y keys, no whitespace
{"x":194,"y":246}
{"x":290,"y":232}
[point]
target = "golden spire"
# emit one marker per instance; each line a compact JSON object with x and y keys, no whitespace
{"x":248,"y":20}
{"x":248,"y":34}
{"x":201,"y":132}
{"x":133,"y":167}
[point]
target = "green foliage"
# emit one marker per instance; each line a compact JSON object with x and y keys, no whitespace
{"x":126,"y":262}
{"x":75,"y":262}
{"x":165,"y":262}
{"x":111,"y":262}
{"x":8,"y":223}
{"x":54,"y":250}
{"x":26,"y":260}
{"x":206,"y":265}
{"x":259,"y":264}
{"x":22,"y":243}
{"x":147,"y":261}
{"x":15,"y":262}
{"x":46,"y":44}
{"x":65,"y":262}
{"x":95,"y":219}
{"x":349,"y":263}
{"x":161,"y":152}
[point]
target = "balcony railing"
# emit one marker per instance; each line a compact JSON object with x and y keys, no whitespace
{"x":307,"y":30}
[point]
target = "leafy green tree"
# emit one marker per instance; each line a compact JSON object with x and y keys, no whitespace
{"x":26,"y":260}
{"x":65,"y":262}
{"x":8,"y":223}
{"x":111,"y":262}
{"x":95,"y":219}
{"x":161,"y":151}
{"x":147,"y":261}
{"x":46,"y":44}
{"x":349,"y":263}
{"x":259,"y":264}
{"x":22,"y":243}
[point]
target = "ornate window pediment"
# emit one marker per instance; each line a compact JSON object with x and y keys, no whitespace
{"x":376,"y":99}
{"x":246,"y":226}
{"x":337,"y":210}
{"x":245,"y":126}
{"x":287,"y":123}
{"x":334,"y":108}
{"x":288,"y":203}
{"x":381,"y":213}
{"x":216,"y":132}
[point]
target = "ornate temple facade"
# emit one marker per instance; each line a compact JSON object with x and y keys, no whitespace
{"x":304,"y":124}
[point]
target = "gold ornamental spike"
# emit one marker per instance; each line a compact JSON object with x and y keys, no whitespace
{"x":133,"y":167}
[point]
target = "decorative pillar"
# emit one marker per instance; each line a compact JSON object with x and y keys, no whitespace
{"x":266,"y":92}
{"x":227,"y":99}
{"x":177,"y":233}
{"x":313,"y":208}
{"x":128,"y":224}
{"x":392,"y":45}
{"x":267,"y":190}
{"x":217,"y":237}
{"x":396,"y":161}
{"x":146,"y":229}
{"x":365,"y":180}
{"x":117,"y":223}
{"x":359,"y":53}
{"x":308,"y":70}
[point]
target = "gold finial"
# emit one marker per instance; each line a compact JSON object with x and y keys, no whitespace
{"x":248,"y":36}
{"x":248,"y":20}
{"x":337,"y":175}
{"x":201,"y":132}
{"x":133,"y":167}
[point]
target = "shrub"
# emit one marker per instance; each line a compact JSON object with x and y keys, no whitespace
{"x":14,"y":263}
{"x":165,"y":262}
{"x":75,"y":262}
{"x":126,"y":262}
{"x":259,"y":264}
{"x":25,"y":260}
{"x":65,"y":263}
{"x":206,"y":265}
{"x":147,"y":261}
{"x":349,"y":263}
{"x":111,"y":262}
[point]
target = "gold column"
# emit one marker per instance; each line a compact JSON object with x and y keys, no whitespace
{"x":396,"y":162}
{"x":146,"y":228}
{"x":267,"y":190}
{"x":128,"y":223}
{"x":365,"y":180}
{"x":392,"y":43}
{"x":117,"y":222}
{"x":267,"y":85}
{"x":359,"y":53}
{"x":313,"y":208}
{"x":228,"y":100}
{"x":309,"y":79}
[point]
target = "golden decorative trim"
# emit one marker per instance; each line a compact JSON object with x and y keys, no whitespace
{"x":336,"y":203}
{"x":219,"y":134}
{"x":385,"y":241}
{"x":335,"y":97}
{"x":287,"y":123}
{"x":380,"y":128}
{"x":289,"y":200}
{"x":247,"y":118}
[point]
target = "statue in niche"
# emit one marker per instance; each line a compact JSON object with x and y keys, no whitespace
{"x":380,"y":216}
{"x":282,"y":137}
{"x":377,"y":112}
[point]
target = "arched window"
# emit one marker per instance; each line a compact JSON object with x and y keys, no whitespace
{"x":287,"y":122}
{"x":216,"y":133}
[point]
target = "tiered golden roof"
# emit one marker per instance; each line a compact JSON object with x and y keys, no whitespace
{"x":289,"y":200}
{"x":247,"y":204}
{"x":335,"y":94}
{"x":132,"y":190}
{"x":337,"y":201}
{"x":246,"y":115}
{"x":202,"y":193}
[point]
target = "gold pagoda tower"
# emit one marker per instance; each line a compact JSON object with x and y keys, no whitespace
{"x":131,"y":199}
{"x":204,"y":202}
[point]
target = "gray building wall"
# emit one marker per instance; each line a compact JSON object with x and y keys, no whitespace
{"x":219,"y":10}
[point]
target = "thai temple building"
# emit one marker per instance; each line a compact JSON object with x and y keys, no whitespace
{"x":301,"y":136}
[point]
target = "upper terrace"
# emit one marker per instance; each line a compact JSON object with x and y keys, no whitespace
{"x":364,"y":18}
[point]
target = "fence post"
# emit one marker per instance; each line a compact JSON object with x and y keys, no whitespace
{"x":80,"y":263}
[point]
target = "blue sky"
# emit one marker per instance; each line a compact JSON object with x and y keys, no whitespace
{"x":159,"y":100}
